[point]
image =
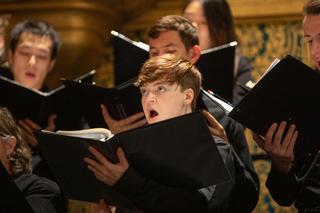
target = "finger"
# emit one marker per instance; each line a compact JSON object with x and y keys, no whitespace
{"x":30,"y":138}
{"x":139,"y":123}
{"x":25,"y":126}
{"x":279,"y":133}
{"x":258,"y":140}
{"x":293,"y":141}
{"x":100,"y":157}
{"x":213,"y":122}
{"x":268,"y":142}
{"x":287,"y":138}
{"x":51,"y":125}
{"x":92,"y":162}
{"x":32,"y":124}
{"x":107,"y":118}
{"x":100,"y":175}
{"x":135,"y":117}
{"x":96,"y":171}
{"x":95,"y":167}
{"x":122,"y":158}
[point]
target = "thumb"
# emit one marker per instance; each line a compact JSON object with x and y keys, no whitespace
{"x":107,"y":118}
{"x":51,"y":125}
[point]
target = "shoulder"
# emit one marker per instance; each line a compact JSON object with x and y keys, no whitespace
{"x":5,"y":72}
{"x":29,"y":183}
{"x":42,"y":194}
{"x":244,"y":65}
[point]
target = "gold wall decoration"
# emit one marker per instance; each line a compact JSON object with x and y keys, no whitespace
{"x":84,"y":27}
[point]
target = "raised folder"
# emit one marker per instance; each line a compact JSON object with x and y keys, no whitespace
{"x":216,"y":65}
{"x":129,"y":56}
{"x":288,"y":92}
{"x":178,"y":152}
{"x":121,"y":101}
{"x":29,"y":103}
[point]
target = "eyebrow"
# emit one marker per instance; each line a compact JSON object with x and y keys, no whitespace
{"x":310,"y":35}
{"x":40,"y":49}
{"x":192,"y":14}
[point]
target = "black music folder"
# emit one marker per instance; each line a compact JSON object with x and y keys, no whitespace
{"x":129,"y":56}
{"x":216,"y":65}
{"x":29,"y":103}
{"x":287,"y":92}
{"x":121,"y":101}
{"x":178,"y":152}
{"x":11,"y":198}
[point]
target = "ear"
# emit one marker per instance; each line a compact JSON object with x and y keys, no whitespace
{"x":51,"y":65}
{"x":1,"y":41}
{"x":194,"y":54}
{"x":10,"y":145}
{"x":188,"y":96}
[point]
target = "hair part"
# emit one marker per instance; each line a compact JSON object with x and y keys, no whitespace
{"x":38,"y":29}
{"x":20,"y":158}
{"x":170,"y":68}
{"x":219,"y":19}
{"x":312,"y":8}
{"x":187,"y":32}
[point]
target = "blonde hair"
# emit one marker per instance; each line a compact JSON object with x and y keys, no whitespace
{"x":20,"y":158}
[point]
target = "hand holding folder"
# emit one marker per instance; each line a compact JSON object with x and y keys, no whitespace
{"x":164,"y":152}
{"x":37,"y":106}
{"x":287,"y":92}
{"x":121,"y":101}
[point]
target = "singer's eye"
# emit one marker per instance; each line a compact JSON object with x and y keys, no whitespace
{"x":143,"y":92}
{"x":161,"y":89}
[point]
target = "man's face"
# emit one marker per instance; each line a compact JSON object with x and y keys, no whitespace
{"x":194,"y":12}
{"x":31,"y":61}
{"x":161,"y":101}
{"x":168,"y":42}
{"x":311,"y":28}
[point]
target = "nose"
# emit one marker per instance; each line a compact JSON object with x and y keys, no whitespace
{"x":195,"y":24}
{"x":150,"y":98}
{"x":32,"y":60}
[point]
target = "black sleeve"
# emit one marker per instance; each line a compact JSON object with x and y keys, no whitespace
{"x":243,"y":76}
{"x":42,"y":194}
{"x":245,"y":195}
{"x":283,"y":188}
{"x":220,"y":199}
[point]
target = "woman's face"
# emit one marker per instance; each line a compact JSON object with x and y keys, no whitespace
{"x":194,"y":12}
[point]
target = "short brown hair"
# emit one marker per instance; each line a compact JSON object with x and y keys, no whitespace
{"x":171,"y":69}
{"x":312,"y":8}
{"x":188,"y":33}
{"x":20,"y":158}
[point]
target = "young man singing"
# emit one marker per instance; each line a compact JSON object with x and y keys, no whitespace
{"x":169,"y":86}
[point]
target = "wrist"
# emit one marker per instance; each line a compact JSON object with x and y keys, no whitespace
{"x":282,"y":167}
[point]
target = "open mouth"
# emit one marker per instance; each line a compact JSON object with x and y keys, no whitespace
{"x":153,"y":113}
